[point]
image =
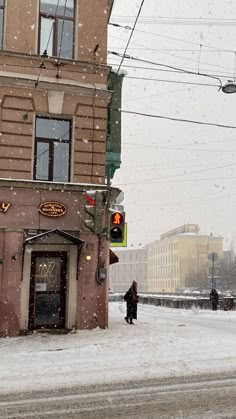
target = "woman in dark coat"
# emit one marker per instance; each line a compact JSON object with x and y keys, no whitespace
{"x":131,"y":299}
{"x":214,"y":298}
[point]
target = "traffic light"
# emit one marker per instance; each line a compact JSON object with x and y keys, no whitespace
{"x":117,"y":224}
{"x":90,"y":212}
{"x":94,"y":211}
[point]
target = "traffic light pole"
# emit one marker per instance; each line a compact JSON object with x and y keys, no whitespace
{"x":107,"y":222}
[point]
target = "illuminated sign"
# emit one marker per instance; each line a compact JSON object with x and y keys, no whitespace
{"x":52,"y":209}
{"x":117,"y":218}
{"x":4,"y":206}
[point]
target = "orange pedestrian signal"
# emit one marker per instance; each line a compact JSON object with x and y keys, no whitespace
{"x":117,"y":224}
{"x":117,"y":218}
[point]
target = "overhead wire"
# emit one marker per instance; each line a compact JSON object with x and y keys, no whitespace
{"x":175,"y":181}
{"x":170,"y":81}
{"x":178,"y":56}
{"x":191,"y":121}
{"x":181,"y":70}
{"x":208,"y":169}
{"x":180,"y":148}
{"x":136,"y":67}
{"x":171,"y":38}
{"x":181,"y":21}
{"x":131,"y":34}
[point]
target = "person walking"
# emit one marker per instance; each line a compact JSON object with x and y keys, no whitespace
{"x":131,"y":298}
{"x":214,"y":299}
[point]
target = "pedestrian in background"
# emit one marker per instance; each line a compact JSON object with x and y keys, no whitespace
{"x":214,"y":299}
{"x":131,"y":298}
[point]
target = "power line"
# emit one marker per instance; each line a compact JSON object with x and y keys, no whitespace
{"x":149,"y":181}
{"x":152,"y":20}
{"x":191,"y":121}
{"x":224,"y":76}
{"x":170,"y":81}
{"x":176,"y":18}
{"x":176,"y":56}
{"x":170,"y":37}
{"x":181,"y":70}
{"x":132,"y":31}
{"x":208,"y":169}
{"x":180,"y":148}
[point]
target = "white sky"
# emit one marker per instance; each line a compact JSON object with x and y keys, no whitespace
{"x":173,"y":172}
{"x":163,"y":343}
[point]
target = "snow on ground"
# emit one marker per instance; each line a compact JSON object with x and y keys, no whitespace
{"x":164,"y":342}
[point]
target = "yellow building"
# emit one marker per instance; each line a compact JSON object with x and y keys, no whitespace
{"x":180,"y":259}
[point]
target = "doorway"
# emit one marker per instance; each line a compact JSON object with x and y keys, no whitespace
{"x":47,"y":290}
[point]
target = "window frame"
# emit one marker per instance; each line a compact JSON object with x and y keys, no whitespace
{"x":55,"y":31}
{"x":51,"y":143}
{"x":2,"y":7}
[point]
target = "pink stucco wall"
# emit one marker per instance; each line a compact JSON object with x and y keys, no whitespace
{"x":10,"y":281}
{"x":23,"y":214}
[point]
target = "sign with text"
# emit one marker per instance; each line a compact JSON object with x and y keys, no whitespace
{"x":4,"y":206}
{"x":52,"y":209}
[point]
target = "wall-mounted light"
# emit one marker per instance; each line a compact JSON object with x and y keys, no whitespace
{"x":88,"y":257}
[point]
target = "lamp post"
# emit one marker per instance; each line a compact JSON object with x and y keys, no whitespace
{"x":229,"y":87}
{"x":213,"y":258}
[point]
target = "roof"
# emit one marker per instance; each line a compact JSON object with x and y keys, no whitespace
{"x":64,"y":234}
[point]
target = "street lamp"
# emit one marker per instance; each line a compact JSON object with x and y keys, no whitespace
{"x":229,"y":87}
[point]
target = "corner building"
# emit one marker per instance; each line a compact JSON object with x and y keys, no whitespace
{"x":54,"y":199}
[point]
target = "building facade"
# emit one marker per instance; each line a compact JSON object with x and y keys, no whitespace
{"x":132,"y":266}
{"x":180,"y":259}
{"x":54,"y":198}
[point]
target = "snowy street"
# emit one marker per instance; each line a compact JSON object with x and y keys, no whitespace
{"x":164,"y":346}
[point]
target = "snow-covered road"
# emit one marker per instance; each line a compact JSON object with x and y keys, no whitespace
{"x":163,"y":343}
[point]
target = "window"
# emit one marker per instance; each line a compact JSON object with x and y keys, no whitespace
{"x":52,"y":150}
{"x":57,"y":27}
{"x":1,"y":21}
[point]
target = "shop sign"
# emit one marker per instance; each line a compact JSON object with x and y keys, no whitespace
{"x":52,"y":209}
{"x":4,"y":206}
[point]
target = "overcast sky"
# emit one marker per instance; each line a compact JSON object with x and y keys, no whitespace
{"x":176,"y":172}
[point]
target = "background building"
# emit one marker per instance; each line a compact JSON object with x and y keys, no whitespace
{"x":132,"y":266}
{"x":180,"y":259}
{"x":54,"y":197}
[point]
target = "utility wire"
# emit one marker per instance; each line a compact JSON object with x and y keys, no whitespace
{"x":132,"y":31}
{"x":190,"y":121}
{"x":170,"y":81}
{"x":222,"y":75}
{"x":149,"y":181}
{"x":181,"y":21}
{"x":181,"y":70}
{"x":170,"y":37}
{"x":196,"y":150}
{"x":177,"y":56}
{"x":184,"y":174}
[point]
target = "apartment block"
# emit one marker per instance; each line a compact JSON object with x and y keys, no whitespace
{"x":181,"y":259}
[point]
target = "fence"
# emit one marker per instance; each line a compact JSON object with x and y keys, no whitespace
{"x":225,"y":303}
